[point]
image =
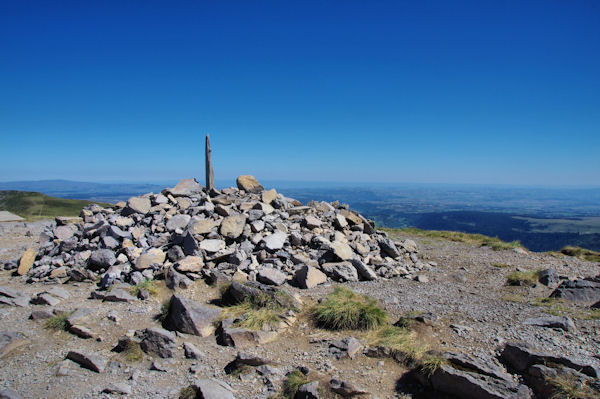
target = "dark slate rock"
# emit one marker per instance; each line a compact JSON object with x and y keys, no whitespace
{"x":176,"y":253}
{"x":308,"y":391}
{"x":364,"y":271}
{"x":118,"y":295}
{"x":191,"y":352}
{"x":92,"y":362}
{"x":158,"y":341}
{"x":388,"y":247}
{"x":549,"y":277}
{"x":486,"y":366}
{"x":578,"y":291}
{"x":102,"y":259}
{"x":340,"y":271}
{"x":467,"y":385}
{"x":191,"y":317}
{"x":174,"y":279}
{"x":520,"y":356}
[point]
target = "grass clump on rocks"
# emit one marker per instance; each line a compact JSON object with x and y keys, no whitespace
{"x":344,"y":309}
{"x":570,"y":387}
{"x":188,"y":393}
{"x":431,"y":362}
{"x":57,"y":322}
{"x":259,"y":309}
{"x":529,"y":278}
{"x":147,"y":285}
{"x":586,"y":254}
{"x":133,"y":352}
{"x":164,"y":310}
{"x":254,"y":317}
{"x":293,"y":381}
{"x":401,"y":341}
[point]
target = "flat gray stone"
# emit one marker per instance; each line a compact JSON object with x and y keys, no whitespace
{"x":213,"y":389}
{"x":560,"y":322}
{"x":92,"y":362}
{"x":270,"y":276}
{"x":275,"y":241}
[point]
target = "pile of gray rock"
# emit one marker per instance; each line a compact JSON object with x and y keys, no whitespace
{"x":244,"y":233}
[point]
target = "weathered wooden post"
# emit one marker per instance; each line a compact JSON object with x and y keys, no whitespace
{"x":210,"y":178}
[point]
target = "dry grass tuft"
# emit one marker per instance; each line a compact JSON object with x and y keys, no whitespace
{"x":528,"y":279}
{"x":344,"y":309}
{"x":58,"y":322}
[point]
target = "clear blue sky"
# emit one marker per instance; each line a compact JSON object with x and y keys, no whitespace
{"x":386,"y":91}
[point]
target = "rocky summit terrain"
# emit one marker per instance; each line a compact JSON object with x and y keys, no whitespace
{"x":195,"y":293}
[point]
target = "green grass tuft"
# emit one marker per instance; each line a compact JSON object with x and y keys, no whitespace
{"x":344,"y":309}
{"x":431,"y":362}
{"x":293,"y":381}
{"x":257,"y":311}
{"x":501,"y":265}
{"x":133,"y":352}
{"x":164,"y":310}
{"x":57,"y":322}
{"x":148,"y":285}
{"x":254,"y":317}
{"x":529,"y":278}
{"x":400,"y":340}
{"x":586,"y":254}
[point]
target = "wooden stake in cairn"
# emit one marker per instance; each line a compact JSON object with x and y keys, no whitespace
{"x":210,"y":178}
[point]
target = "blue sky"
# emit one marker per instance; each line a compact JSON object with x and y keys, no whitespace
{"x":491,"y":92}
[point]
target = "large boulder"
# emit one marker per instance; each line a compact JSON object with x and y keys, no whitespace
{"x":102,"y":259}
{"x":583,"y":291}
{"x":469,"y":385}
{"x":341,"y":271}
{"x":249,"y":184}
{"x":520,"y":356}
{"x":191,"y":317}
{"x":341,"y":250}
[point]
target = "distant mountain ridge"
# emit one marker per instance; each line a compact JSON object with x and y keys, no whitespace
{"x":105,"y":192}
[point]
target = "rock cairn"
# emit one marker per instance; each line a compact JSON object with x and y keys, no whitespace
{"x":188,"y":232}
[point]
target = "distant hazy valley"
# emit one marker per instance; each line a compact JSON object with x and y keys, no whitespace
{"x":541,"y":218}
